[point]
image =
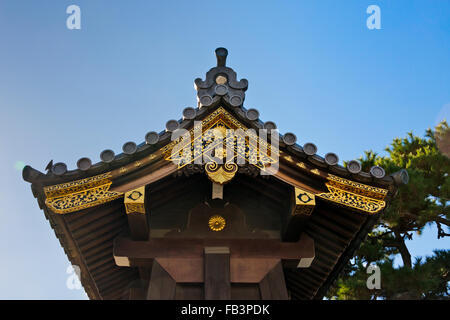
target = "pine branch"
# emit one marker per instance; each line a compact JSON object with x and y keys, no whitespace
{"x":435,"y":219}
{"x":404,"y":252}
{"x":440,"y":220}
{"x":441,"y":233}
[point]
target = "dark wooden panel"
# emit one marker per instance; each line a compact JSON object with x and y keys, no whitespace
{"x":136,"y":294}
{"x":217,"y":273}
{"x":273,"y":286}
{"x":137,"y":290}
{"x":245,"y":291}
{"x":93,"y":239}
{"x":102,"y":238}
{"x":115,"y":217}
{"x":161,"y":286}
{"x":88,"y":216}
{"x":189,"y":291}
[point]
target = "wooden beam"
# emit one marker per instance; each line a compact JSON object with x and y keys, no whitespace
{"x":161,"y":286}
{"x":242,"y":270}
{"x":273,"y":286}
{"x":152,"y":176}
{"x":251,"y":270}
{"x":140,"y":253}
{"x":294,"y":178}
{"x":217,"y":273}
{"x":136,"y":209}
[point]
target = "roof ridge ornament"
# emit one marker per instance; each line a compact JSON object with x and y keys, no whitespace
{"x":220,"y":85}
{"x":221,"y":55}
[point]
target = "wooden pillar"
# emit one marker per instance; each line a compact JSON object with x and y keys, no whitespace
{"x":135,"y":206}
{"x":273,"y":285}
{"x":217,"y":273}
{"x":162,"y":286}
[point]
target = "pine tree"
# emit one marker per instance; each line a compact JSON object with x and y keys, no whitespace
{"x":423,"y":201}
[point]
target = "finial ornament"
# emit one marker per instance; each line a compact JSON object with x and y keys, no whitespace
{"x":220,"y":85}
{"x":221,"y":55}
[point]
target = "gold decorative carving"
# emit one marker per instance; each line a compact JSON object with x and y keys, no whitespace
{"x":134,"y":200}
{"x":354,"y":195}
{"x":244,"y":144}
{"x":221,"y":174}
{"x":135,"y":165}
{"x":301,"y":165}
{"x":123,"y":170}
{"x":356,"y":187}
{"x":304,"y":202}
{"x":80,"y":194}
{"x":216,"y":223}
{"x":289,"y":158}
{"x":315,"y":171}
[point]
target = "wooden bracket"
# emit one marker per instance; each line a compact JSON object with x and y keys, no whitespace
{"x":304,"y":202}
{"x":302,"y":206}
{"x":135,"y":207}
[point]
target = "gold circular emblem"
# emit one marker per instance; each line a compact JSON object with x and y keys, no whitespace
{"x":216,"y":223}
{"x":221,"y":80}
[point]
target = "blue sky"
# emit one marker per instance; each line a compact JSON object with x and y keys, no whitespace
{"x":314,"y":68}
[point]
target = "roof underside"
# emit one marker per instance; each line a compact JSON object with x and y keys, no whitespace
{"x":87,"y":237}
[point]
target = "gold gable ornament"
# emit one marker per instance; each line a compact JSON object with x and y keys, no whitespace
{"x":80,"y":194}
{"x":220,"y":129}
{"x":355,"y":195}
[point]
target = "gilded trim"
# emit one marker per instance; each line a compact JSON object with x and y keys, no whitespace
{"x":246,"y":144}
{"x":75,"y":186}
{"x":356,"y":187}
{"x":354,"y":195}
{"x":80,"y":194}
